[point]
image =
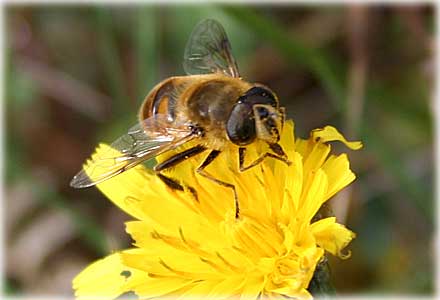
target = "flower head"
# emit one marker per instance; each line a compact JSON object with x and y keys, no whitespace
{"x":185,"y":247}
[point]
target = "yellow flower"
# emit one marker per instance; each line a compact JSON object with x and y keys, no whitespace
{"x":187,"y":248}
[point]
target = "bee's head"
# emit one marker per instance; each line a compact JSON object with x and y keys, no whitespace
{"x":255,"y":115}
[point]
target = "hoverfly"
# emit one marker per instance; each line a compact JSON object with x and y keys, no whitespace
{"x":212,"y":105}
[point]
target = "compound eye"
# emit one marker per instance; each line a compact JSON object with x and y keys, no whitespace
{"x":241,"y":125}
{"x":259,"y":95}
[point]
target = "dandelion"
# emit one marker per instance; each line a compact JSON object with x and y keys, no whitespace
{"x":186,"y":248}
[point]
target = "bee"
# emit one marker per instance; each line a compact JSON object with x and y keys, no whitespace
{"x":212,"y":104}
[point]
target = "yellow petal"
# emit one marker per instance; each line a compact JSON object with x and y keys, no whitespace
{"x":169,"y":262}
{"x":288,"y":237}
{"x":338,"y":172}
{"x":287,"y":140}
{"x":252,"y":288}
{"x":313,"y":195}
{"x":106,"y":278}
{"x":273,"y":201}
{"x":170,"y":214}
{"x":294,"y":293}
{"x":252,"y":192}
{"x":189,"y":238}
{"x":293,"y":184}
{"x":303,"y":147}
{"x":198,"y":290}
{"x":316,"y":157}
{"x":226,"y":288}
{"x":331,"y":236}
{"x":329,"y":134}
{"x":252,"y":235}
{"x":156,"y":287}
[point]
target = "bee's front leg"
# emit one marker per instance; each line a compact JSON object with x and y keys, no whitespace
{"x":280,"y":155}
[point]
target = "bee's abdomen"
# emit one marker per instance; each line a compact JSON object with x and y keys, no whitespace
{"x":161,"y":100}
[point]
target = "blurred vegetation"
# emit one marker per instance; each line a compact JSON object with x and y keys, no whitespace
{"x":75,"y":76}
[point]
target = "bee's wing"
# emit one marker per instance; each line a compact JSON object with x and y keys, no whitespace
{"x":148,"y":139}
{"x":209,"y":51}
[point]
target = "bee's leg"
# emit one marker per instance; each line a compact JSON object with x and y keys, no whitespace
{"x":174,"y":160}
{"x":280,"y":155}
{"x":201,"y":170}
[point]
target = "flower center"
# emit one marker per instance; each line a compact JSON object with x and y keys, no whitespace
{"x":287,"y":267}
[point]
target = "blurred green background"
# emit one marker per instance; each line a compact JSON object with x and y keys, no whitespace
{"x":75,"y":76}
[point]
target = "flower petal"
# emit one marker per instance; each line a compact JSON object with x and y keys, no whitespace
{"x":156,"y":287}
{"x":329,"y":134}
{"x":312,"y":197}
{"x":252,"y":287}
{"x":226,"y":288}
{"x":188,"y":238}
{"x":106,"y":278}
{"x":338,"y":172}
{"x":293,"y":186}
{"x":198,"y":290}
{"x":287,"y":140}
{"x":331,"y":236}
{"x":303,"y":147}
{"x":166,"y":261}
{"x":294,"y":293}
{"x":316,"y":157}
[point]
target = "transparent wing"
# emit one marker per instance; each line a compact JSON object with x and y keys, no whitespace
{"x":209,"y":51}
{"x":148,"y":139}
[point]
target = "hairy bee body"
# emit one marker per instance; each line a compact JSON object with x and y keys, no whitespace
{"x":204,"y":100}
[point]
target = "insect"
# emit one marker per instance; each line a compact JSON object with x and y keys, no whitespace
{"x":212,"y":105}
